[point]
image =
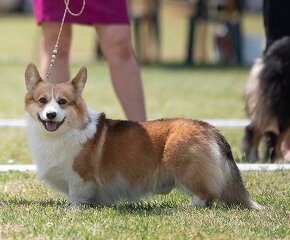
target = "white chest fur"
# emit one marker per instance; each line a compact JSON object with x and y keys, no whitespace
{"x":54,"y":154}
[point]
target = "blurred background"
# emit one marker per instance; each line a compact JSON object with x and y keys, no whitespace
{"x":164,"y":31}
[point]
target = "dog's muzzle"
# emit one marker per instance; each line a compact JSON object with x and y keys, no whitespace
{"x":50,"y":126}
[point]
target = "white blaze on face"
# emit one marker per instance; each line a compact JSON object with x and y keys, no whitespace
{"x":52,"y":107}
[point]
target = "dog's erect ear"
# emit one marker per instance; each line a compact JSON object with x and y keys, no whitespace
{"x":32,"y":77}
{"x":79,"y":81}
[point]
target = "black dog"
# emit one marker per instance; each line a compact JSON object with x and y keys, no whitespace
{"x":268,"y":105}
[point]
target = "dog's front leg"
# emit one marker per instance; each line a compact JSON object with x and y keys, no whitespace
{"x":250,"y":143}
{"x":269,"y":140}
{"x":81,"y":193}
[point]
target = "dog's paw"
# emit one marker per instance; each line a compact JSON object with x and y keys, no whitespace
{"x":75,"y":204}
{"x":198,"y":202}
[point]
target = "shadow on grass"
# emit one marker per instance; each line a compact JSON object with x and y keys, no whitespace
{"x":168,"y":208}
{"x":140,"y":208}
{"x":148,"y":208}
{"x":25,"y":202}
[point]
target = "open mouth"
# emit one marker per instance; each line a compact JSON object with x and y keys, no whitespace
{"x":50,"y":126}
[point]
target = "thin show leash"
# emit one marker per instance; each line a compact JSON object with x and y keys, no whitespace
{"x":55,"y":49}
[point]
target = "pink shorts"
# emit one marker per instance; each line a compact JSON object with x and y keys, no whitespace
{"x":95,"y":11}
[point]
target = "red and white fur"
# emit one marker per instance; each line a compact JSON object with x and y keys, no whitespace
{"x":98,"y":161}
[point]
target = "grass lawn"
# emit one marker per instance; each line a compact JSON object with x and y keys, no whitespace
{"x":31,"y":210}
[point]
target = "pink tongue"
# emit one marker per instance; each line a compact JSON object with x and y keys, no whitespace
{"x":51,"y":126}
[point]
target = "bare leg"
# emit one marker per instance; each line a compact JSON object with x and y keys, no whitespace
{"x":60,"y":70}
{"x":116,"y":45}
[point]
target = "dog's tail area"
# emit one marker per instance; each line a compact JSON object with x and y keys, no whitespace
{"x":233,"y":191}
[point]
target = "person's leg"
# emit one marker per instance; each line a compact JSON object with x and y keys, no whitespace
{"x":115,"y":41}
{"x":60,"y":69}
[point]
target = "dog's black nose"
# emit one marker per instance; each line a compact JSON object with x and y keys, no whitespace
{"x":51,"y":115}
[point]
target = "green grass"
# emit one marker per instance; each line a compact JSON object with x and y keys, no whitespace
{"x":30,"y":210}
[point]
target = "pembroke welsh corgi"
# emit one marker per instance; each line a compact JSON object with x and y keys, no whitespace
{"x":98,"y":161}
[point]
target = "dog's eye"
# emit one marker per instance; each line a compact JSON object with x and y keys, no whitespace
{"x":62,"y":101}
{"x":42,"y":100}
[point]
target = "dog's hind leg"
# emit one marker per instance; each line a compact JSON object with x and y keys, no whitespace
{"x":220,"y":182}
{"x":192,"y":180}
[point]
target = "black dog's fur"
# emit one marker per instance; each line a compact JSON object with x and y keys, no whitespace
{"x":275,"y":81}
{"x":272,"y":103}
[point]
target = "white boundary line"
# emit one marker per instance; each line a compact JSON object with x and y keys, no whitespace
{"x":12,"y":123}
{"x":17,"y":167}
{"x":241,"y":166}
{"x":228,"y":123}
{"x":222,"y":123}
{"x":263,"y":166}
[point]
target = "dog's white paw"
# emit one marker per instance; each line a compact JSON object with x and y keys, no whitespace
{"x":198,"y":202}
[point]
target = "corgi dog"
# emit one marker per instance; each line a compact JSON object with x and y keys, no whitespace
{"x":98,"y":161}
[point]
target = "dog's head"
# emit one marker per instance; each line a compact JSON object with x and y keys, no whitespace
{"x":55,"y":107}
